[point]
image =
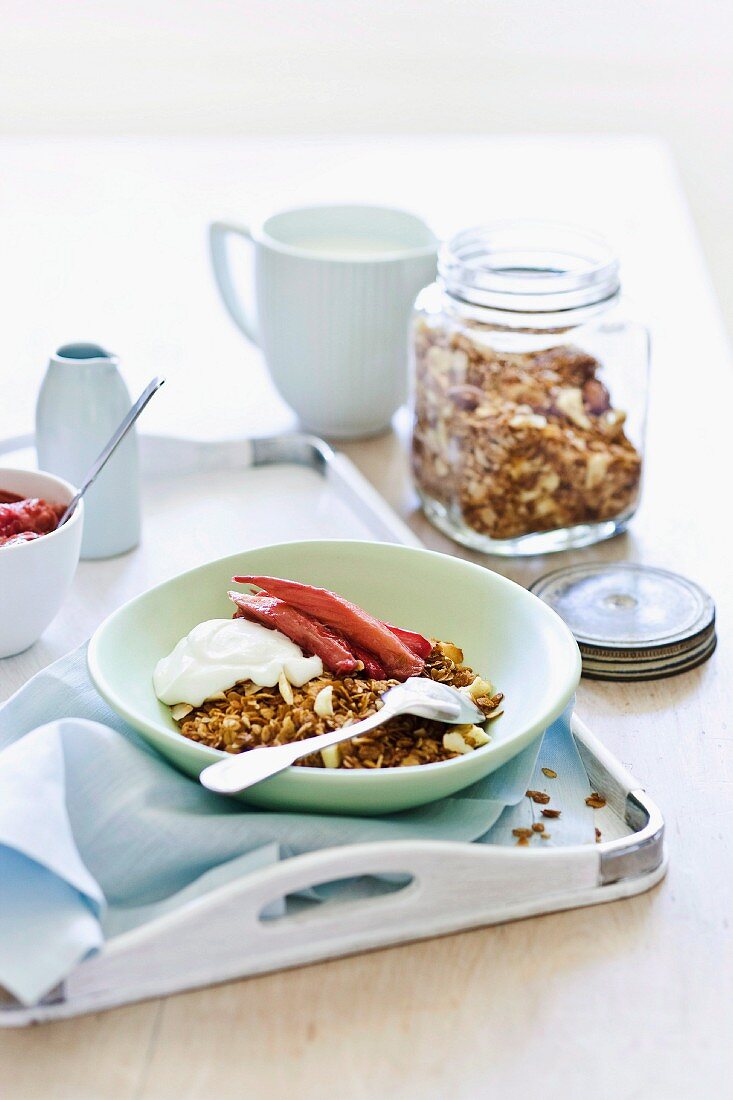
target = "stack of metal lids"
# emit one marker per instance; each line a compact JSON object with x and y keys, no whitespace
{"x":632,"y":622}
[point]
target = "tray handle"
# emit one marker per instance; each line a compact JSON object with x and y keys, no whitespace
{"x":223,"y":935}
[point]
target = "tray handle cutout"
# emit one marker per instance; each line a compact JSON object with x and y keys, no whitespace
{"x":310,"y":903}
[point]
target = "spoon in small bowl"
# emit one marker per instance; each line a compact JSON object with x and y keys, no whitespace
{"x":111,"y":446}
{"x":419,"y":695}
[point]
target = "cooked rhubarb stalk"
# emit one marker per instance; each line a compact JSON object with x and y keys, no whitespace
{"x":415,"y":642}
{"x":341,"y":656}
{"x":372,"y":666}
{"x":312,"y":636}
{"x":356,"y":625}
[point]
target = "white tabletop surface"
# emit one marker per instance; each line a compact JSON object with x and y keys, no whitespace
{"x":106,"y":241}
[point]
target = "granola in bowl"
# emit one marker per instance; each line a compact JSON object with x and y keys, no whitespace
{"x":278,"y":673}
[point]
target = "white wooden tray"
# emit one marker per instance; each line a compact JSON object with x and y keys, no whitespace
{"x":451,"y":886}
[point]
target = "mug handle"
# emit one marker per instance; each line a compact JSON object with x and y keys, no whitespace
{"x":218,"y":232}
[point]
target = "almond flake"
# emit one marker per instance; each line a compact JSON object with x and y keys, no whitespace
{"x":331,"y":756}
{"x":180,"y":710}
{"x":323,"y":705}
{"x":285,"y":689}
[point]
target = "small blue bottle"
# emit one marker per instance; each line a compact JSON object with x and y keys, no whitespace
{"x":82,"y":400}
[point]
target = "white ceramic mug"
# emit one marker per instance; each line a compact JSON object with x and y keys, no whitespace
{"x":334,"y":287}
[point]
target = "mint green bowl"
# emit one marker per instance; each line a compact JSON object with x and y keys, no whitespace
{"x":507,"y":635}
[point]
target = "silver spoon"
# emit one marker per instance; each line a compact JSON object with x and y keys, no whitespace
{"x":110,"y":447}
{"x":418,"y":695}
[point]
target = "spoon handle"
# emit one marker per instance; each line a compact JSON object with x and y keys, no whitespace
{"x":238,"y":772}
{"x":112,"y":445}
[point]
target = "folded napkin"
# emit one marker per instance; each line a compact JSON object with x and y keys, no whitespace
{"x":98,"y":834}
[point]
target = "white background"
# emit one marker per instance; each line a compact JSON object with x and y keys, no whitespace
{"x":108,"y":242}
{"x":179,"y":67}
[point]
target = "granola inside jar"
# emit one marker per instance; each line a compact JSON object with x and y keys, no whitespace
{"x":529,"y":391}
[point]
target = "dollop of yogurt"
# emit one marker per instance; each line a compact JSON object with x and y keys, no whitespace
{"x":219,"y":653}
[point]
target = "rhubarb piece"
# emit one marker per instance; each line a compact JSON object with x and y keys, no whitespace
{"x":357,"y":625}
{"x":263,"y":614}
{"x":372,"y":666}
{"x":310,"y":635}
{"x":415,"y":642}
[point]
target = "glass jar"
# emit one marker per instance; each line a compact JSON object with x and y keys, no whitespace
{"x":529,"y":392}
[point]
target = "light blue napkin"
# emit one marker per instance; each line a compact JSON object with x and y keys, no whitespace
{"x":98,"y":834}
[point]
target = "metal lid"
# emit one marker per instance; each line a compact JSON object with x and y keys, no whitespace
{"x":632,"y":621}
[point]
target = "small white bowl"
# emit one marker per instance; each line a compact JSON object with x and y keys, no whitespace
{"x":35,"y":576}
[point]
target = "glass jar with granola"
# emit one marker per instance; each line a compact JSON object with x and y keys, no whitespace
{"x":529,"y":391}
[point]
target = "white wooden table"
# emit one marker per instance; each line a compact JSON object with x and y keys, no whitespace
{"x":106,"y":241}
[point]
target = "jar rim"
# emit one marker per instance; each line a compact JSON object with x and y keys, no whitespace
{"x":529,"y":267}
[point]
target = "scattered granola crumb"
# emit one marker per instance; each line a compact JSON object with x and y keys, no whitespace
{"x":538,"y":796}
{"x":546,"y":836}
{"x":596,"y":801}
{"x":538,"y":827}
{"x":551,"y":813}
{"x":523,"y":842}
{"x":522,"y":833}
{"x":549,"y":773}
{"x":599,"y":834}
